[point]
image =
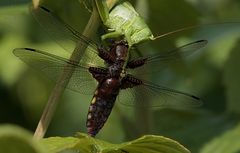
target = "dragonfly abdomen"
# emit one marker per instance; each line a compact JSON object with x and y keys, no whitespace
{"x":102,"y":104}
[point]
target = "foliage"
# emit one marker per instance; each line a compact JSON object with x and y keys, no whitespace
{"x":14,"y":139}
{"x":84,"y":143}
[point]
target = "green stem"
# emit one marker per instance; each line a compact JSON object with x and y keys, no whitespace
{"x":35,"y":3}
{"x":111,"y":3}
{"x":53,"y":100}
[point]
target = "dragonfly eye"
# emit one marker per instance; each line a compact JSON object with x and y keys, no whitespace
{"x":111,"y":41}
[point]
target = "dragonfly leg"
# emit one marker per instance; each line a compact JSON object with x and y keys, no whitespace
{"x":130,"y":81}
{"x":98,"y":73}
{"x":106,"y":56}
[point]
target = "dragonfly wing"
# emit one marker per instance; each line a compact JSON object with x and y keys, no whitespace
{"x":158,"y":62}
{"x":151,"y":95}
{"x":69,"y":73}
{"x":66,"y":36}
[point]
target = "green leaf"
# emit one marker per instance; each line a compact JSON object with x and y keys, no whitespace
{"x":84,"y":143}
{"x":56,"y":144}
{"x":227,"y":143}
{"x":232,"y":81}
{"x":14,"y":139}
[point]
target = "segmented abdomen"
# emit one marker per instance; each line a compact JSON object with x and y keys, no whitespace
{"x":101,"y":105}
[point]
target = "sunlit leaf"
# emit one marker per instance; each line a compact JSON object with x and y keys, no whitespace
{"x":56,"y":144}
{"x":84,"y":143}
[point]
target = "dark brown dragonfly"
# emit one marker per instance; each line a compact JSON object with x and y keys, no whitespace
{"x":101,"y":72}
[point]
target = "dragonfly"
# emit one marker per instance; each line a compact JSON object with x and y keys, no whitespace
{"x":108,"y":73}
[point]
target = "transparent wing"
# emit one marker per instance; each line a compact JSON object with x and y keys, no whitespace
{"x":64,"y":34}
{"x":157,"y":62}
{"x":71,"y":74}
{"x":150,"y":95}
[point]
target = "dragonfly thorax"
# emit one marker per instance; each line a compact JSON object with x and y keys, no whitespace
{"x":115,"y":69}
{"x":119,"y":52}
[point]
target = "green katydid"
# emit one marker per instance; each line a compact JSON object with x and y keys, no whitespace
{"x":123,"y":20}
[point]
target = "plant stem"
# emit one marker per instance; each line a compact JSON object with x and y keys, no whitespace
{"x":64,"y":78}
{"x":35,"y":3}
{"x":111,"y":3}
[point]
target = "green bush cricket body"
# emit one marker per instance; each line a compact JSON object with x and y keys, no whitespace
{"x":123,"y":20}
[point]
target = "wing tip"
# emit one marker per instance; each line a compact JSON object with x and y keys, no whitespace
{"x":195,"y":97}
{"x":18,"y":50}
{"x":44,"y":8}
{"x":30,"y":49}
{"x":202,"y":40}
{"x":199,"y":100}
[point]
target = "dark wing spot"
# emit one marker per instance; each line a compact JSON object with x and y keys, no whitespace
{"x":201,"y":41}
{"x":197,"y":98}
{"x":45,"y":9}
{"x":30,"y":49}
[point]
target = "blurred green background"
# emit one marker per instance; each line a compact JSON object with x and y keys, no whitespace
{"x":213,"y":74}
